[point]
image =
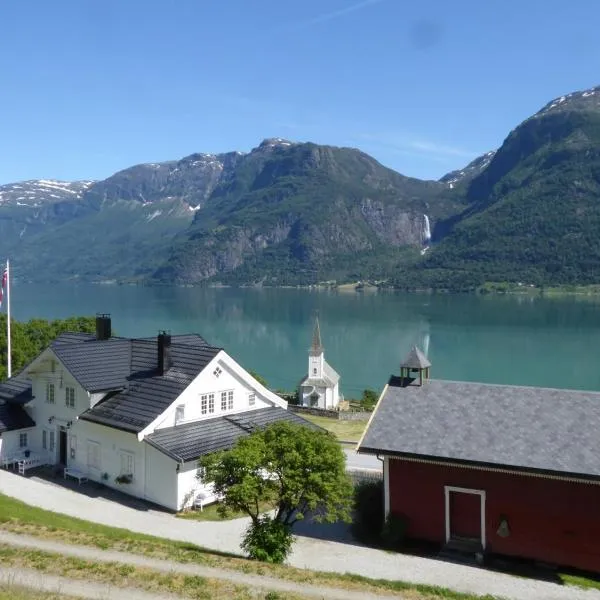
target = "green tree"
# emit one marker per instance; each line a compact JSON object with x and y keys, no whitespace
{"x":369,"y":399}
{"x":259,"y":378}
{"x":30,"y":338}
{"x":289,"y":469}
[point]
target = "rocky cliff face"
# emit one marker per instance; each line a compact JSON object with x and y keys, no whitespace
{"x":288,"y":209}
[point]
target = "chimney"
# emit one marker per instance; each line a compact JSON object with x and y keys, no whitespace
{"x":164,"y":352}
{"x":103,"y":331}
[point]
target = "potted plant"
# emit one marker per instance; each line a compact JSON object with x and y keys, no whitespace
{"x":124,"y":479}
{"x":27,"y":453}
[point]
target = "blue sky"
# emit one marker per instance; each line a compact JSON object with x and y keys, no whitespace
{"x":88,"y":87}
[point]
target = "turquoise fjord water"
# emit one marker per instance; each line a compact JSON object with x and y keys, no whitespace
{"x":497,"y":339}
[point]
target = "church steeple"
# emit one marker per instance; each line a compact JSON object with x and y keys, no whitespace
{"x":316,"y":354}
{"x":316,"y":346}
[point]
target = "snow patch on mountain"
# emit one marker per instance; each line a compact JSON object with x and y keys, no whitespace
{"x":38,"y":191}
{"x":576,"y":100}
{"x":470,"y":171}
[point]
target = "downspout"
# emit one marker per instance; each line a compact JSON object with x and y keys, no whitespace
{"x":386,"y":485}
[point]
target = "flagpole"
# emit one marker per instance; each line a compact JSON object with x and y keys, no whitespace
{"x":9,"y":365}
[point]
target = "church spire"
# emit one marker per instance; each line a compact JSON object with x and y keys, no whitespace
{"x":316,"y":346}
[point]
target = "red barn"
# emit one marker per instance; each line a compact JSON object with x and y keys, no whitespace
{"x":498,"y":469}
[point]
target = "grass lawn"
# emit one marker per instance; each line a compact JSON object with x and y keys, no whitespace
{"x":21,"y":518}
{"x":349,"y":431}
{"x":14,"y":592}
{"x":583,"y":582}
{"x":126,"y":576}
{"x":210,"y":513}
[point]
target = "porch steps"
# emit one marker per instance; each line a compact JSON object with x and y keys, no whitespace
{"x":462,"y":550}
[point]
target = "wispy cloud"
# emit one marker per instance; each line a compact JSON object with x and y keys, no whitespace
{"x":341,"y":12}
{"x":416,"y":146}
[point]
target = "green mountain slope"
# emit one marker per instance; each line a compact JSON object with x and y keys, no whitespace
{"x":533,"y":214}
{"x":303,"y":213}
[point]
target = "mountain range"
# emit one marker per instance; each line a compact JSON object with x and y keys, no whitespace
{"x":289,"y":213}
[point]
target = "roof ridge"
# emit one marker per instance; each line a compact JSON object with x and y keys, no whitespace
{"x":516,"y":386}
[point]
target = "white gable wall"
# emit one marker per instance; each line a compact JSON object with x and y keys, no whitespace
{"x":231,"y":377}
{"x":57,"y":416}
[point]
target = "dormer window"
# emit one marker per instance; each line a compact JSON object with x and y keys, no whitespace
{"x":217,"y":372}
{"x":179,"y":413}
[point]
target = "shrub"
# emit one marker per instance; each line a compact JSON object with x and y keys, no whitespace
{"x":369,"y":399}
{"x":368,"y":512}
{"x":268,"y":540}
{"x":393,"y":533}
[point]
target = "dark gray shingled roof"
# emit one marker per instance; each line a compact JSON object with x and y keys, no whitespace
{"x":147,"y":394}
{"x":525,"y":428}
{"x":192,"y":440}
{"x":16,"y":390}
{"x":13,"y":416}
{"x":98,"y":365}
{"x":415,"y":359}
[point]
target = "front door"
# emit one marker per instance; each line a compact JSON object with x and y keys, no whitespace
{"x":465,"y":515}
{"x":62,"y":446}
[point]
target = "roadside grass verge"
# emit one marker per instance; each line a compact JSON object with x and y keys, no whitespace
{"x":349,"y":431}
{"x":128,"y":576}
{"x":17,"y":592}
{"x":18,"y":517}
{"x":587,"y":583}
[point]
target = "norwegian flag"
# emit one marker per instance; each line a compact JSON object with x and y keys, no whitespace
{"x":4,"y":277}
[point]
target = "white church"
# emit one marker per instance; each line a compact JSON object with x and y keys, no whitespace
{"x":320,"y":388}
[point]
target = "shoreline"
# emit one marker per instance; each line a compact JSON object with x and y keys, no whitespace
{"x":361,"y":287}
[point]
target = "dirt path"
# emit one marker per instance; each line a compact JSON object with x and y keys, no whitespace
{"x":253,"y":581}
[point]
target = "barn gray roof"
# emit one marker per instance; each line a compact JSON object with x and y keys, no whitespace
{"x":191,"y":440}
{"x":415,"y":359}
{"x":524,"y":428}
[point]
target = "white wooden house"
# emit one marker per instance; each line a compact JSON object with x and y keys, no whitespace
{"x":134,"y":414}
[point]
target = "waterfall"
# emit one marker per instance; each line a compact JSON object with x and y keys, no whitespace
{"x":426,"y":229}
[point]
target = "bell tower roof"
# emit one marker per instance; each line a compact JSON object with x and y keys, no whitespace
{"x":316,"y":347}
{"x":415,"y":359}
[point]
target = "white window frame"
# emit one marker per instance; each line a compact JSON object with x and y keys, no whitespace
{"x":449,"y":489}
{"x":217,"y":372}
{"x":129,"y":459}
{"x":211,"y":403}
{"x":50,"y":392}
{"x":204,"y":404}
{"x":251,"y":399}
{"x":223,"y":401}
{"x":230,"y":400}
{"x":179,"y":413}
{"x":23,"y":440}
{"x":70,"y":396}
{"x":51,"y":440}
{"x":97,"y":453}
